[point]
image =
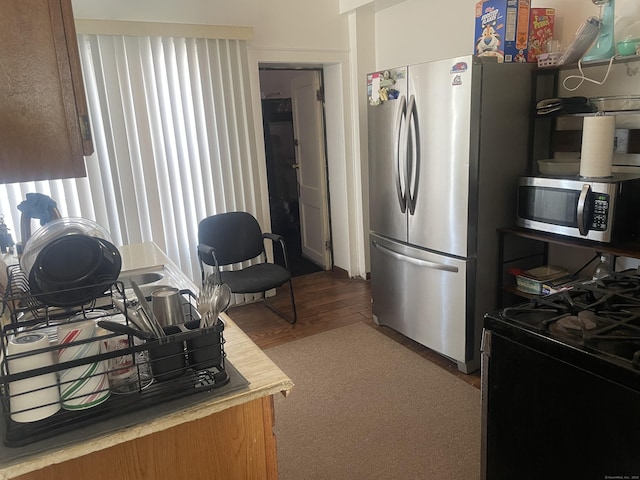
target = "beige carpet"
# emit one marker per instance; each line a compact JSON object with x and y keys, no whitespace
{"x":366,"y":408}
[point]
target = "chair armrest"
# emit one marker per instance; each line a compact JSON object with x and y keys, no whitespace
{"x":206,"y":250}
{"x":274,"y":237}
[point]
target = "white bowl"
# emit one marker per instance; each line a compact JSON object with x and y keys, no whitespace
{"x":557,"y":166}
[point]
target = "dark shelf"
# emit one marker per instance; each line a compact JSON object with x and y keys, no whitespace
{"x":626,"y":249}
{"x":594,"y":63}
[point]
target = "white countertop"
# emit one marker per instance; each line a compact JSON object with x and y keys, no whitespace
{"x":264,"y":377}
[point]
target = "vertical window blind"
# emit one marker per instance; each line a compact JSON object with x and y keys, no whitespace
{"x":174,"y":142}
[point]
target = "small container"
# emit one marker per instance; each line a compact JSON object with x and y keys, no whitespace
{"x":616,"y":103}
{"x":549,"y":60}
{"x":205,"y":351}
{"x":167,"y":358}
{"x":166,"y":303}
{"x":532,"y":281}
{"x":557,"y":166}
{"x":629,"y":40}
{"x":127,"y":373}
{"x":603,"y":269}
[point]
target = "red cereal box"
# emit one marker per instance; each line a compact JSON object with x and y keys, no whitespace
{"x":541,"y":21}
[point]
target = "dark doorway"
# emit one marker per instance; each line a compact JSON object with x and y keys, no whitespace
{"x":282,"y":182}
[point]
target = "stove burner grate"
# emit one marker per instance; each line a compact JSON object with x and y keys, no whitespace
{"x":602,"y":317}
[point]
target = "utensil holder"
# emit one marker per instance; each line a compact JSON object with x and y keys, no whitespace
{"x":205,"y":350}
{"x":167,"y":358}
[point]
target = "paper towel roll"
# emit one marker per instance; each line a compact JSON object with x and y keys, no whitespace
{"x":37,"y":397}
{"x":598,"y":137}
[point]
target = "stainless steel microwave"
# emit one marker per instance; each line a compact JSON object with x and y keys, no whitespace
{"x":602,"y":210}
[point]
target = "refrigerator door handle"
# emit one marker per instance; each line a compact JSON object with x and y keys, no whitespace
{"x":413,"y":161}
{"x":414,"y":261}
{"x":397,"y":145}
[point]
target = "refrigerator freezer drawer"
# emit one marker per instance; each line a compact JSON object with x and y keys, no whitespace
{"x":422,"y":295}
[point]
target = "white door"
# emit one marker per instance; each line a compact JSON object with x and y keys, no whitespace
{"x":308,"y":129}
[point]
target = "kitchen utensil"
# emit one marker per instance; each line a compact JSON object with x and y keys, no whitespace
{"x":221,"y":299}
{"x":205,"y":298}
{"x":125,"y":329}
{"x":146,"y":314}
{"x":166,"y":303}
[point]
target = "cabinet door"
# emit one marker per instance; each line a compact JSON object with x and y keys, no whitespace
{"x":43,"y":112}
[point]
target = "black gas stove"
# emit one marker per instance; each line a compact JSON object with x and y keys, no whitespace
{"x":561,"y":378}
{"x":599,"y":316}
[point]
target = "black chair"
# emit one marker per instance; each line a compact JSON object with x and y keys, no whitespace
{"x":236,"y":237}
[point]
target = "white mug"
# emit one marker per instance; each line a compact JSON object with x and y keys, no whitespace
{"x":33,"y":398}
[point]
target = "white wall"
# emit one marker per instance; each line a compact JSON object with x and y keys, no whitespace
{"x":412,"y":31}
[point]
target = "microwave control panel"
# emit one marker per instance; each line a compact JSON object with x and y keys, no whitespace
{"x":600,"y":212}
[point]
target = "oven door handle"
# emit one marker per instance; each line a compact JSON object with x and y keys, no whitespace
{"x":582,"y":202}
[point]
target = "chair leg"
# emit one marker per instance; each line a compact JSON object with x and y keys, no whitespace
{"x":293,"y":304}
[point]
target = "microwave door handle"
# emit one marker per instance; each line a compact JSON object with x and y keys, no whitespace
{"x":582,"y":201}
{"x":413,"y":165}
{"x":397,"y":157}
{"x":414,"y":261}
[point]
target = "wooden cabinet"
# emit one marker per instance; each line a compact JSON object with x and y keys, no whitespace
{"x":43,"y":110}
{"x":234,"y":444}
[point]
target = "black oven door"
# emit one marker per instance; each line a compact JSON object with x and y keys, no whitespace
{"x":546,"y":418}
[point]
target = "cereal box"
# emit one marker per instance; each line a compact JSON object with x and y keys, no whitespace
{"x":502,"y":29}
{"x":541,"y":22}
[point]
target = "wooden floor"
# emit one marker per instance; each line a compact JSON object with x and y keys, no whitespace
{"x":325,"y":300}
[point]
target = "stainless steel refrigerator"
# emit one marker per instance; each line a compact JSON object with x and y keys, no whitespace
{"x":447,"y":141}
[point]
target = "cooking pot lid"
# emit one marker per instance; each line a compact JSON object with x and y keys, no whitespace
{"x":70,"y":259}
{"x":73,"y":270}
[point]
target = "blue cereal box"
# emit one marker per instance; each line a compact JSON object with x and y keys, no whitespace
{"x":502,"y":29}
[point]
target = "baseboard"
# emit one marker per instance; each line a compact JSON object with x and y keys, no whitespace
{"x":343,"y":273}
{"x":340,"y":272}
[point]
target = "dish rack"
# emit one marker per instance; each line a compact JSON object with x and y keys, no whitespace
{"x":24,"y":315}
